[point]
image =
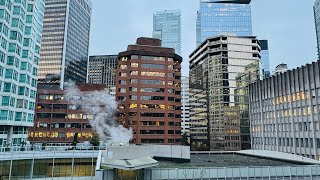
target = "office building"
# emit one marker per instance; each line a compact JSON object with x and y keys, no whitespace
{"x":198,"y":120}
{"x":148,"y":91}
{"x":185,"y":102}
{"x":316,"y":10}
{"x":221,"y":67}
{"x":265,"y":58}
{"x":65,"y":44}
{"x":217,"y":17}
{"x":101,"y":70}
{"x":285,"y":112}
{"x":57,"y":120}
{"x":167,"y":28}
{"x":280,"y":68}
{"x":21,"y":27}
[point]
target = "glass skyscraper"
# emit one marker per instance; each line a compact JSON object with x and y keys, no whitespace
{"x":265,"y":58}
{"x":21,"y":28}
{"x":316,"y":9}
{"x":232,"y":17}
{"x":167,"y":27}
{"x":223,"y":16}
{"x":65,"y":45}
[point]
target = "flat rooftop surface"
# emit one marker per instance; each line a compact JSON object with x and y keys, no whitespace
{"x":226,"y":160}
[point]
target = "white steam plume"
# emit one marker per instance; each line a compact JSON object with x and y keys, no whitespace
{"x":103,"y":107}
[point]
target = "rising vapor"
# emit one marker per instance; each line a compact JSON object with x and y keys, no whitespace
{"x":103,"y":106}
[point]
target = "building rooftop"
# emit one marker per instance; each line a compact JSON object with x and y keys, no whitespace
{"x":226,"y":160}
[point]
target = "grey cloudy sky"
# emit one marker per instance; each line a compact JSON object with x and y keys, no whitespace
{"x":287,"y":24}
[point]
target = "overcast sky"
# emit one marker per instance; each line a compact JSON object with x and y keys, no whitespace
{"x":287,"y":24}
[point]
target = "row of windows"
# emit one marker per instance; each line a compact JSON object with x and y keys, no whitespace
{"x":9,"y":115}
{"x":299,"y":142}
{"x":159,"y":132}
{"x":63,"y":125}
{"x":302,"y":111}
{"x":64,"y":116}
{"x":51,"y":97}
{"x":150,"y":106}
{"x":286,"y":127}
{"x":147,"y":114}
{"x":59,"y":135}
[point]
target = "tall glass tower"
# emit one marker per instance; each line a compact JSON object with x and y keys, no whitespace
{"x":167,"y":27}
{"x":265,"y":58}
{"x":232,"y":17}
{"x":21,"y":28}
{"x":316,"y":9}
{"x":65,"y":45}
{"x":216,"y":17}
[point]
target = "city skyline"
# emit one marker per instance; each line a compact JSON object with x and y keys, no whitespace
{"x":279,"y":27}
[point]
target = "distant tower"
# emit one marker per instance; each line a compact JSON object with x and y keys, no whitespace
{"x":281,"y":68}
{"x":265,"y":58}
{"x":65,"y":45}
{"x":167,"y":28}
{"x":316,"y":9}
{"x":217,"y":17}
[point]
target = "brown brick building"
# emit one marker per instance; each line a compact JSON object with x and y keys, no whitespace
{"x":56,"y":120}
{"x":148,"y":90}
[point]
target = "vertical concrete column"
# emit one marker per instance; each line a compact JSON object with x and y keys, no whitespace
{"x":9,"y":136}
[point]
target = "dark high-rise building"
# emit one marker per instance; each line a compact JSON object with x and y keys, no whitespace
{"x":101,"y":70}
{"x":65,"y":43}
{"x":148,"y":90}
{"x":220,"y":70}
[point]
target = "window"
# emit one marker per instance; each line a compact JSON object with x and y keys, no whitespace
{"x":7,"y":87}
{"x":153,"y":58}
{"x":156,"y":98}
{"x":133,"y":81}
{"x":154,"y":82}
{"x":5,"y":100}
{"x":134,"y":57}
{"x":122,"y":90}
{"x":123,"y":66}
{"x":134,"y":73}
{"x":134,"y":65}
{"x":8,"y":74}
{"x":153,"y":66}
{"x":133,"y":97}
{"x":123,"y":82}
{"x":156,"y":74}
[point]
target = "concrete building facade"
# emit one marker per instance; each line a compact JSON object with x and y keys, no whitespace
{"x":148,"y":90}
{"x":285,"y":112}
{"x":221,"y":67}
{"x":21,"y":30}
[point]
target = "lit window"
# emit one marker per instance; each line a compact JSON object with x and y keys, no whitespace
{"x":123,"y":66}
